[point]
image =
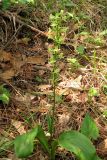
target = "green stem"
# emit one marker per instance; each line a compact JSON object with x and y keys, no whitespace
{"x":54,"y":103}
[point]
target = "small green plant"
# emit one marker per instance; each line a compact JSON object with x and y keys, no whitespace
{"x":92,"y":93}
{"x":96,"y":41}
{"x":74,"y":64}
{"x":81,"y":51}
{"x":77,"y":142}
{"x":4,"y":95}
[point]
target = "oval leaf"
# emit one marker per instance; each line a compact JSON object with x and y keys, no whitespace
{"x":89,"y":128}
{"x":43,"y":139}
{"x":79,"y":144}
{"x":24,"y":145}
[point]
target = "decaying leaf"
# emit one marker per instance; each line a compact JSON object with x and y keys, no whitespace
{"x":5,"y":56}
{"x":103,"y":146}
{"x":64,"y":119}
{"x":44,"y":87}
{"x":36,"y":60}
{"x":72,"y":83}
{"x":62,"y":91}
{"x":24,"y":99}
{"x":19,"y":126}
{"x":17,"y":63}
{"x":8,"y":74}
{"x":24,"y":40}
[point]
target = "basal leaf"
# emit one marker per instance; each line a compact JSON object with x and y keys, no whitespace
{"x":43,"y":139}
{"x":89,"y":128}
{"x":79,"y":144}
{"x":54,"y":146}
{"x":24,"y":144}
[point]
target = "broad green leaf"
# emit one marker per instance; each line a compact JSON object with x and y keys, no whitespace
{"x":89,"y":128}
{"x":79,"y":144}
{"x":24,"y":144}
{"x":43,"y":139}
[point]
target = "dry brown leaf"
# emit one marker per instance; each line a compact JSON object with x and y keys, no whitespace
{"x":103,"y":146}
{"x":36,"y":60}
{"x":23,"y":40}
{"x":44,"y":87}
{"x":61,"y":91}
{"x":73,"y":97}
{"x":83,"y":98}
{"x":17,"y":63}
{"x":41,"y":72}
{"x":64,"y":119}
{"x":72,"y":83}
{"x":61,"y":65}
{"x":11,"y":156}
{"x":24,"y":99}
{"x":5,"y":56}
{"x":19,"y":126}
{"x":8,"y":74}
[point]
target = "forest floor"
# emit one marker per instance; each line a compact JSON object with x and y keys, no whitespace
{"x":25,"y":71}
